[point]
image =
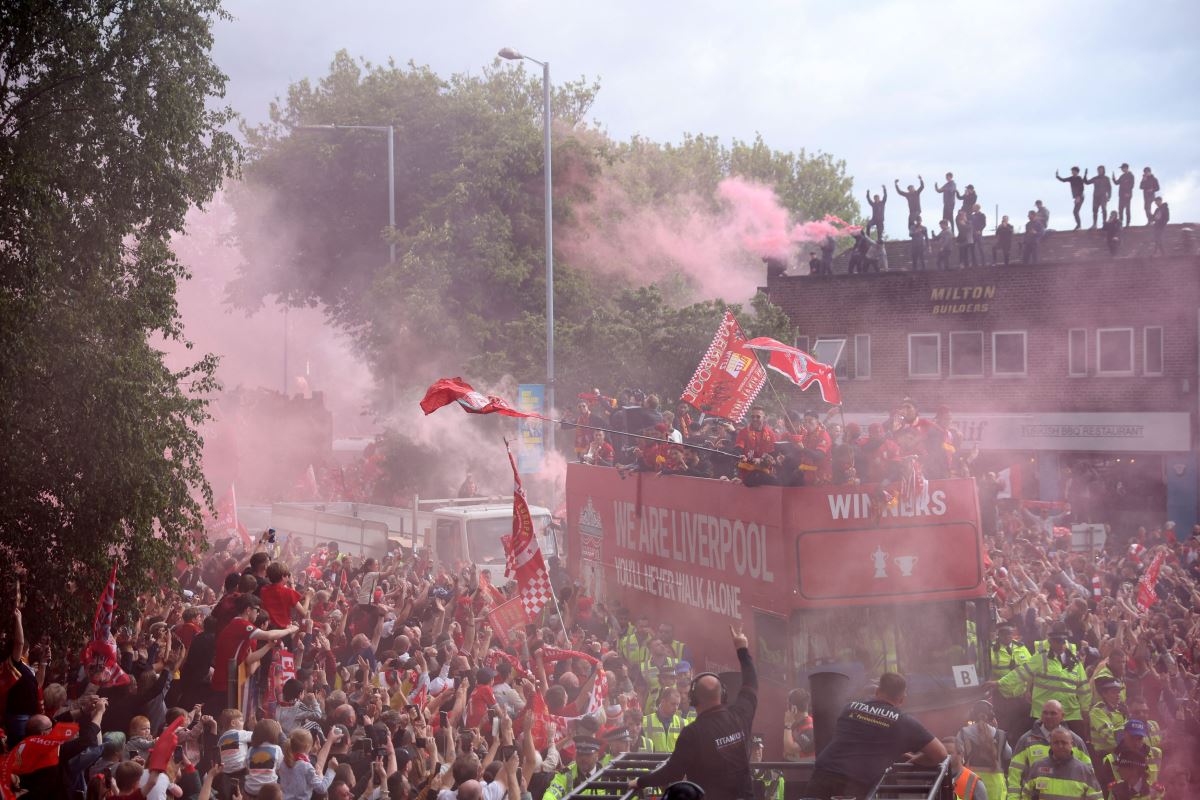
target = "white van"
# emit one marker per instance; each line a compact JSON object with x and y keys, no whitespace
{"x":472,"y":533}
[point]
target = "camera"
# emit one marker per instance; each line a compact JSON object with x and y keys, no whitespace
{"x":270,"y":536}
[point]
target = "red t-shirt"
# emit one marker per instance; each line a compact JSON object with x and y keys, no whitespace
{"x":185,"y":632}
{"x":482,"y":699}
{"x":277,"y":601}
{"x":230,"y":644}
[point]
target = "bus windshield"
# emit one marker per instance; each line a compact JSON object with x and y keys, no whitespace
{"x":923,"y":642}
{"x":483,"y":537}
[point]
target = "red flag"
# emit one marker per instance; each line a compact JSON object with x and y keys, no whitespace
{"x":523,"y":556}
{"x":1146,"y":596}
{"x":100,"y":656}
{"x":506,"y":618}
{"x":226,"y":521}
{"x":799,"y":367}
{"x":728,"y":377}
{"x":445,"y":391}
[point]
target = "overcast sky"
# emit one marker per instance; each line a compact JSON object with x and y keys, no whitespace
{"x":1000,"y":93}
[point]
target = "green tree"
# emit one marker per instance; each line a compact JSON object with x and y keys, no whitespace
{"x":468,"y":284}
{"x":106,"y":141}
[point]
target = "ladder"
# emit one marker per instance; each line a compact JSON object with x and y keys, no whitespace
{"x":905,"y":781}
{"x":610,"y":782}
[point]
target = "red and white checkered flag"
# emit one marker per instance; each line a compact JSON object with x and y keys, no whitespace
{"x":523,"y":555}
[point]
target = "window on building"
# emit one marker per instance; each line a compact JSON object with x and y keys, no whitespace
{"x":862,"y":355}
{"x":1152,"y":356}
{"x":924,"y":355}
{"x":1077,"y":352}
{"x":802,"y":343}
{"x":966,"y":354}
{"x":832,"y":350}
{"x":1114,"y":351}
{"x":1008,"y":353}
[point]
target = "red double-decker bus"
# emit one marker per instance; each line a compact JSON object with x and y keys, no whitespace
{"x":820,"y":582}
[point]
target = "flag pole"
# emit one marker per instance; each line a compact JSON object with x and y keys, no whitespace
{"x":787,"y":420}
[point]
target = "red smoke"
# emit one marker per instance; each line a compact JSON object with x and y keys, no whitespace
{"x":717,"y":243}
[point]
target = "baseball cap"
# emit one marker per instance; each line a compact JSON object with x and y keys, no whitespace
{"x":682,"y":668}
{"x":1135,"y":727}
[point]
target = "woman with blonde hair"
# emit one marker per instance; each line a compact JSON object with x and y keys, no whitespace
{"x":299,"y":777}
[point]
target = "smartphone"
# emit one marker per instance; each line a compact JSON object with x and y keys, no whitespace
{"x":505,"y":752}
{"x":495,"y":727}
{"x":444,"y":719}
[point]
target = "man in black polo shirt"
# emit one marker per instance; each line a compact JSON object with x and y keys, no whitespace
{"x":869,"y":737}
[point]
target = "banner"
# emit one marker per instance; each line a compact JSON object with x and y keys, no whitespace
{"x":799,"y":367}
{"x":1146,"y":596}
{"x":445,"y":391}
{"x":522,"y":554}
{"x":531,"y":431}
{"x":729,"y":376}
{"x":507,"y":618}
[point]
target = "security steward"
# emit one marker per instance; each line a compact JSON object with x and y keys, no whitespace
{"x":871,"y":735}
{"x":587,"y":762}
{"x":1060,"y":774}
{"x":663,"y":725}
{"x":714,"y":751}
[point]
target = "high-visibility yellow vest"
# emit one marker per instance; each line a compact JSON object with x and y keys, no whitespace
{"x":1153,"y":763}
{"x":1105,"y":723}
{"x":662,"y":737}
{"x":1031,"y":748}
{"x":1049,"y":680}
{"x":1006,"y":658}
{"x":1072,"y":780}
{"x":565,"y":781}
{"x":633,"y":650}
{"x":650,"y":673}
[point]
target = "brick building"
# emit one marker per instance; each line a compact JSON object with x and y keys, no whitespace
{"x":1085,"y":364}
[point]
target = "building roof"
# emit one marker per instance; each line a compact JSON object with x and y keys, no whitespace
{"x":1056,"y":247}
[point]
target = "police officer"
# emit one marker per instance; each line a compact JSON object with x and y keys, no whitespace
{"x":1133,"y":780}
{"x":713,"y":751}
{"x":587,"y":763}
{"x":1133,"y":740}
{"x":1055,"y":674}
{"x":1060,"y":774}
{"x":868,"y":738}
{"x":1008,"y":653}
{"x":768,"y":783}
{"x":1107,"y":720}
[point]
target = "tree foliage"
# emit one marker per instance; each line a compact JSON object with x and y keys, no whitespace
{"x":468,"y":285}
{"x":105,"y":142}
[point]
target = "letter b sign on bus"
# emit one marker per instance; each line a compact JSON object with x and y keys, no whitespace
{"x":965,"y":676}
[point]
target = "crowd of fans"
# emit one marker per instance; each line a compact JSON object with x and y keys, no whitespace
{"x":796,"y":449}
{"x":290,"y":673}
{"x":958,"y":237}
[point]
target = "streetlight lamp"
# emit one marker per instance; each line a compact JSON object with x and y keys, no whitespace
{"x":513,"y":55}
{"x":391,"y":167}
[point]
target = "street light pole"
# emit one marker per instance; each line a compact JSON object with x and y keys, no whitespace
{"x":391,"y":134}
{"x":513,"y":55}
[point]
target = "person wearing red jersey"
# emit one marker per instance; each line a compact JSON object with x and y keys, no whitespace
{"x":233,"y":643}
{"x":818,"y":466}
{"x":756,"y":443}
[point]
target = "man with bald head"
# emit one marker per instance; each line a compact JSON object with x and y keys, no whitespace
{"x":1034,"y":745}
{"x":870,"y":736}
{"x":714,"y":751}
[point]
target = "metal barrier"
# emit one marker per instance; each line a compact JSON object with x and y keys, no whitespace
{"x":906,"y":781}
{"x":610,"y":782}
